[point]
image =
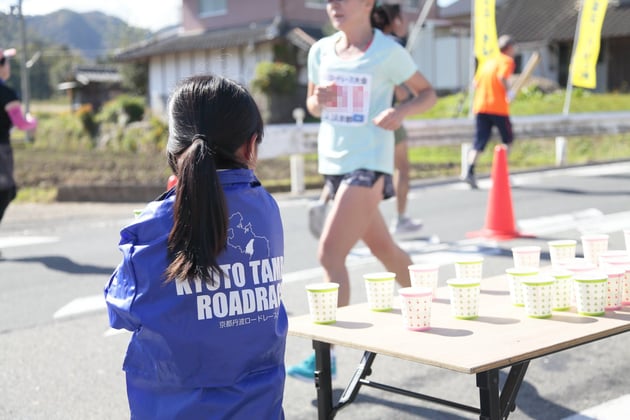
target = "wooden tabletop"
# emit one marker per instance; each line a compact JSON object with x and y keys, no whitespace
{"x":501,"y":336}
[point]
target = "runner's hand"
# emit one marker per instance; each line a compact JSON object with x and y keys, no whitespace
{"x":389,"y":119}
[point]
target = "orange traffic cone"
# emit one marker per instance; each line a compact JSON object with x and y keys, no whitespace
{"x":500,"y":215}
{"x":172,"y":181}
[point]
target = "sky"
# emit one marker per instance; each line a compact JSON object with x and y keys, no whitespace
{"x":149,"y":14}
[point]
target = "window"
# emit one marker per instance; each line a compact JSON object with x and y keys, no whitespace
{"x":316,"y":4}
{"x":212,"y":7}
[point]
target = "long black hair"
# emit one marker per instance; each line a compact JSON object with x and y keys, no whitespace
{"x":210,"y":118}
{"x":383,"y":15}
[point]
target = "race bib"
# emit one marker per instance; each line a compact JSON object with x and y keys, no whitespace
{"x":352,"y":100}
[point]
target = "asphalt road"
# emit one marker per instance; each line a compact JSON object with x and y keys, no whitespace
{"x":59,"y":359}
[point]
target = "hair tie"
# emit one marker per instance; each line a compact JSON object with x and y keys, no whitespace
{"x":199,"y":137}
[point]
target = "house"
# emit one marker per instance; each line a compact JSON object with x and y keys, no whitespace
{"x":543,"y":26}
{"x":230,"y":37}
{"x":92,"y":85}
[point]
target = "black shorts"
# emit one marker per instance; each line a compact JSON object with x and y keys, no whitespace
{"x":361,"y":178}
{"x":484,"y":124}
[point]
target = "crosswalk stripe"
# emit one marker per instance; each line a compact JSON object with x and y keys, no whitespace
{"x":13,"y":241}
{"x":610,"y":410}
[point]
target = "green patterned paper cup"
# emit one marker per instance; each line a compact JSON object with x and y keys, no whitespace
{"x":590,"y":293}
{"x":380,"y":290}
{"x":561,"y":251}
{"x":562,"y":290}
{"x":322,"y":302}
{"x":538,"y":296}
{"x":516,"y":276}
{"x":469,"y":268}
{"x":464,"y":294}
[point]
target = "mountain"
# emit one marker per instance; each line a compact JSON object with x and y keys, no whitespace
{"x":93,"y":34}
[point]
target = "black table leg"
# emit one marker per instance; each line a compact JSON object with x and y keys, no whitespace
{"x":495,"y":405}
{"x":323,"y":380}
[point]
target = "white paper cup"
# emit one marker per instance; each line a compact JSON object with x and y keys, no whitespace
{"x":464,"y":294}
{"x":380,"y":290}
{"x":424,"y":275}
{"x":562,"y":290}
{"x":526,"y":256}
{"x":516,"y":276}
{"x":561,"y":251}
{"x":538,"y":296}
{"x":590,"y":293}
{"x":593,"y":245}
{"x":469,"y":268}
{"x":322,"y":302}
{"x":416,"y":307}
{"x":616,"y":277}
{"x":611,"y":254}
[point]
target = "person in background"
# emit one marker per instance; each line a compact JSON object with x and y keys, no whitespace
{"x":389,"y":19}
{"x":10,"y":116}
{"x":491,"y":104}
{"x":352,"y":75}
{"x":199,"y":283}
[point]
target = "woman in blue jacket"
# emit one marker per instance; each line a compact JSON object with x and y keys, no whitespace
{"x":199,"y":283}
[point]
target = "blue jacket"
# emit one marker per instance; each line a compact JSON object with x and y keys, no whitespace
{"x":230,"y":337}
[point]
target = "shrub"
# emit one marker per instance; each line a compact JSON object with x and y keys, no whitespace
{"x":276,"y":77}
{"x":124,"y":107}
{"x":85,"y":113}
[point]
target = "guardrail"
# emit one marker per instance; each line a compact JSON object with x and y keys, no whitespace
{"x":298,"y":139}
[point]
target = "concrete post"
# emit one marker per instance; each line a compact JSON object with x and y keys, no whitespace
{"x":561,"y":151}
{"x":297,"y":160}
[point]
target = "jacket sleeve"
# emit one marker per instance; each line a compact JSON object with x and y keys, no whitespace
{"x":120,"y":293}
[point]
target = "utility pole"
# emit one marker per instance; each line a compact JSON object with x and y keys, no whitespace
{"x":24,"y":77}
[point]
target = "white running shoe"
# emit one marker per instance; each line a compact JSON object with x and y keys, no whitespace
{"x":405,"y":225}
{"x":316,"y":217}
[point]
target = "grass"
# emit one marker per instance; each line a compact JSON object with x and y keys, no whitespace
{"x":41,"y":171}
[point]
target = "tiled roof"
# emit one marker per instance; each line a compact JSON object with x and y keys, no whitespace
{"x":223,"y":38}
{"x":545,"y":20}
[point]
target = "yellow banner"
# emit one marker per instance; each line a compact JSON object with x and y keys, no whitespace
{"x":486,"y":44}
{"x":587,"y":49}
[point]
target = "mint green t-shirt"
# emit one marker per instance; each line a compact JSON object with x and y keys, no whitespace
{"x":348,"y":139}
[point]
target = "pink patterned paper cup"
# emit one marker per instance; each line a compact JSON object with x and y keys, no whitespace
{"x":416,"y":308}
{"x":526,"y":256}
{"x":616,"y":277}
{"x":593,"y":245}
{"x":424,"y":275}
{"x":622,"y":263}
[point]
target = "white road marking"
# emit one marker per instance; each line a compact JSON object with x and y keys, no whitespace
{"x":80,"y":306}
{"x":13,"y":241}
{"x":610,"y":410}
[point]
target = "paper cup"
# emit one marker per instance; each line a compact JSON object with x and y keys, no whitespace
{"x":590,"y":293}
{"x":621,"y":263}
{"x":538,"y":296}
{"x":464,"y":294}
{"x":322,"y":302}
{"x":561,"y":251}
{"x":526,"y":256}
{"x":616,"y":277}
{"x":424,"y":275}
{"x":469,"y":268}
{"x":380,"y":290}
{"x":593,"y":245}
{"x":611,"y":254}
{"x":516,"y":276}
{"x":562,"y":295}
{"x":416,"y":307}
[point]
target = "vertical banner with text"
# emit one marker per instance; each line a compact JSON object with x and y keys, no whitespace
{"x":486,"y":44}
{"x":584,"y":61}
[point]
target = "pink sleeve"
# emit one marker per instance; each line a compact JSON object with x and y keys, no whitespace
{"x":18,"y":119}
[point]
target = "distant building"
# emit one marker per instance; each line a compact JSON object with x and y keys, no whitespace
{"x":93,"y":86}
